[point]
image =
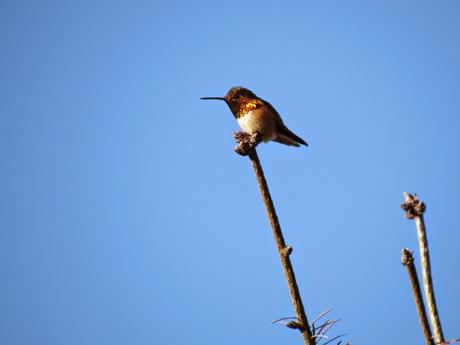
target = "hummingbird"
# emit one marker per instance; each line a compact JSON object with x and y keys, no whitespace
{"x":257,"y":116}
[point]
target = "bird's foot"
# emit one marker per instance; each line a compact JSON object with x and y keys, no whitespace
{"x":246,"y":142}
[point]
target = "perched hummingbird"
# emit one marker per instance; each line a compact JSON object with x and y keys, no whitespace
{"x":254,"y":115}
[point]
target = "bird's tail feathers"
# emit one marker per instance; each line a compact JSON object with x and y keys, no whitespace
{"x":285,"y":136}
{"x":283,"y":139}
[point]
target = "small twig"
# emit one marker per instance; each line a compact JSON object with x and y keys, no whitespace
{"x":317,"y":332}
{"x":284,"y":318}
{"x":407,"y":260}
{"x":320,"y":327}
{"x":320,"y":316}
{"x":335,"y":338}
{"x":414,"y":210}
{"x":246,"y":146}
{"x":331,"y":324}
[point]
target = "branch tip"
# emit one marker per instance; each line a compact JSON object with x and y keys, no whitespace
{"x":413,"y":206}
{"x":246,"y":143}
{"x":407,"y":256}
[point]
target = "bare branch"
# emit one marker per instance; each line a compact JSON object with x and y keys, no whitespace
{"x":407,"y":260}
{"x":246,"y":146}
{"x":414,"y":210}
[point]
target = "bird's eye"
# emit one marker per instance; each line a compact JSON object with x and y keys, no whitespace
{"x":236,"y":96}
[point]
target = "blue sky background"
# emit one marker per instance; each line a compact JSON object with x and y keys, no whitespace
{"x":126,"y":216}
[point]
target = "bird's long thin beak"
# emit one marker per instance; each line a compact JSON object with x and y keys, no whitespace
{"x":219,"y":98}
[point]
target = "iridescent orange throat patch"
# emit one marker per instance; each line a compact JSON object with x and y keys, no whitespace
{"x":246,"y":107}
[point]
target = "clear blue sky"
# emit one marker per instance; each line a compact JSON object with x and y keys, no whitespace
{"x":126,"y":216}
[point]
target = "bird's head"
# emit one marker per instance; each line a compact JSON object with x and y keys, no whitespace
{"x":236,"y":97}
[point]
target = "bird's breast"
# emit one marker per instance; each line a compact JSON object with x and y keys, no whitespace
{"x":257,"y":121}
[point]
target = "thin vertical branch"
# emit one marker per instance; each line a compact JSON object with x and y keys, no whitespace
{"x":248,"y":148}
{"x":283,"y":250}
{"x":407,"y":260}
{"x":414,"y":210}
{"x":428,"y":280}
